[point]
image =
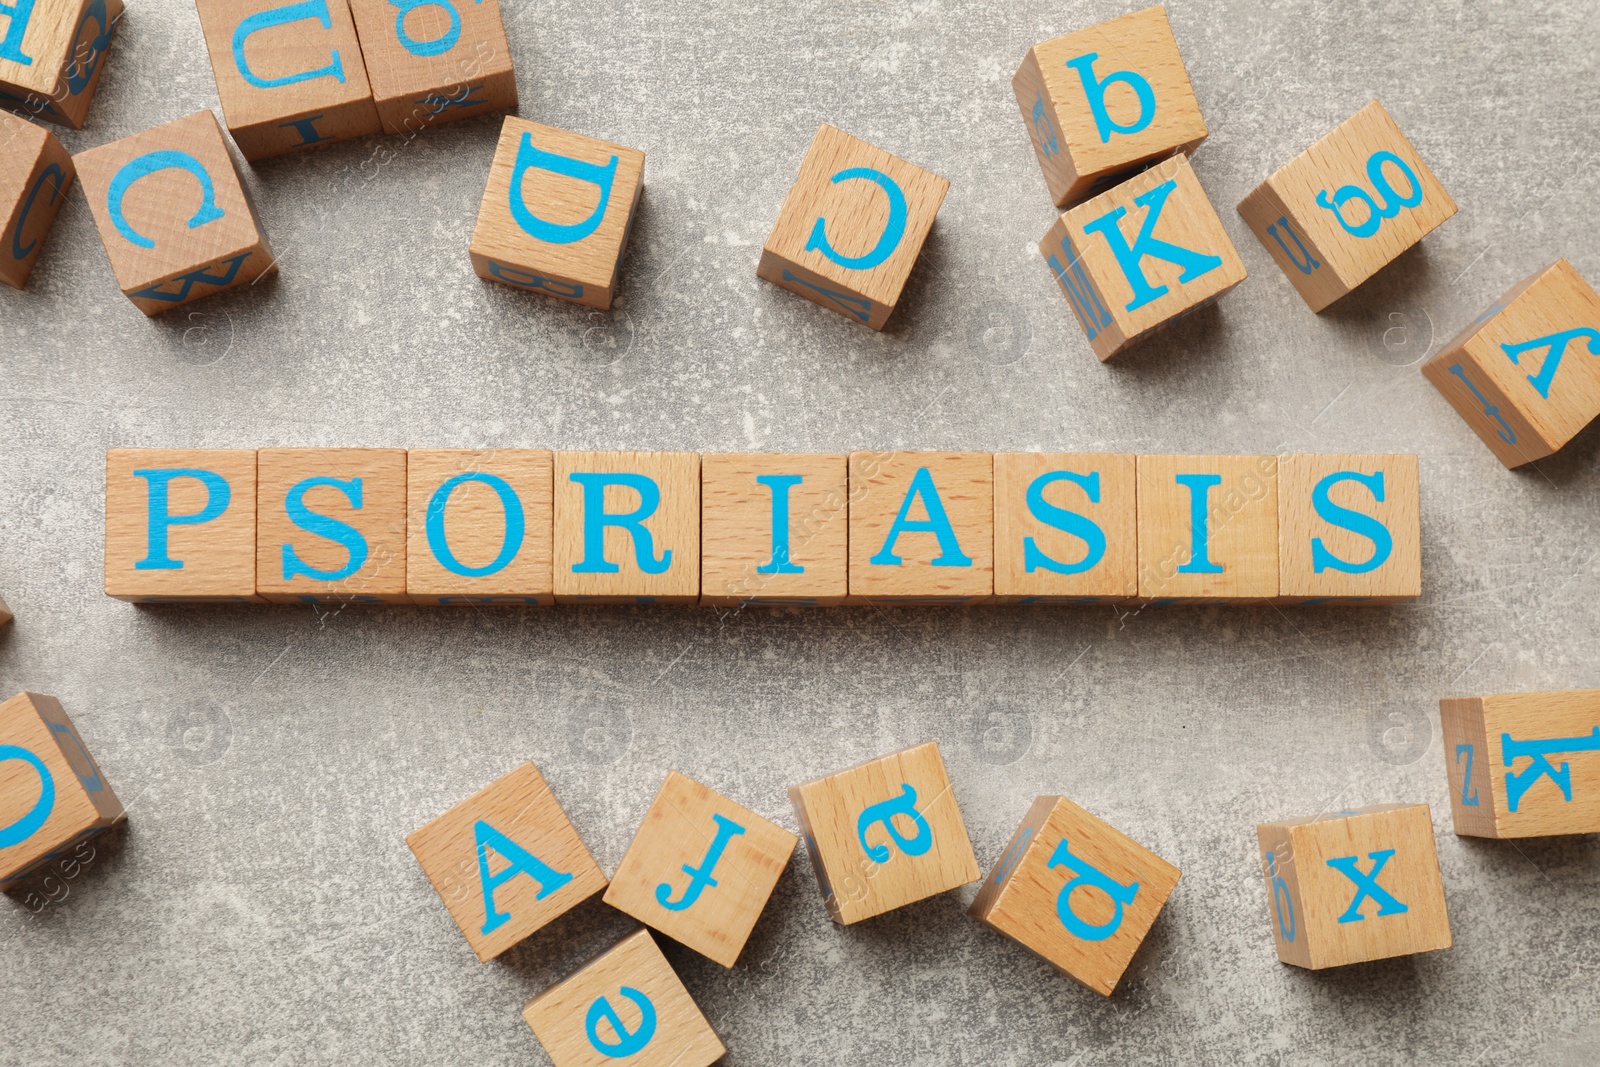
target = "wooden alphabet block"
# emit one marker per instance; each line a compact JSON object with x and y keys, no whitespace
{"x":1526,"y":375}
{"x":1065,"y":528}
{"x":627,"y":527}
{"x":1101,"y":102}
{"x":1140,"y":256}
{"x":435,"y":61}
{"x":556,"y":213}
{"x":1075,"y":891}
{"x":173,"y":214}
{"x":1523,"y":764}
{"x":480,"y":529}
{"x":701,"y":868}
{"x":626,"y":1004}
{"x":52,"y":794}
{"x":884,"y":834}
{"x":1346,"y":207}
{"x":921,"y":527}
{"x":35,"y":172}
{"x":506,"y":861}
{"x":181,"y":524}
{"x":331,"y":525}
{"x":1208,"y":527}
{"x":774,"y":529}
{"x":51,"y":56}
{"x":1349,"y":529}
{"x":289,"y":75}
{"x":1354,"y":886}
{"x":851,"y":227}
{"x":5,"y":613}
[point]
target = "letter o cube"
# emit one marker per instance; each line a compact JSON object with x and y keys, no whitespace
{"x":52,"y":53}
{"x":35,"y":173}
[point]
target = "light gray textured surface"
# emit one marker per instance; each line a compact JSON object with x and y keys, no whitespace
{"x":262,"y":906}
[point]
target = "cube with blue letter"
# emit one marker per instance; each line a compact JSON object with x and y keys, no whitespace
{"x":435,"y":61}
{"x":35,"y":172}
{"x":52,"y":53}
{"x":1208,"y":528}
{"x":627,"y":527}
{"x":1065,"y":528}
{"x":556,"y":213}
{"x":774,"y":529}
{"x":921,"y":527}
{"x":506,"y":861}
{"x":1349,"y":529}
{"x":1353,"y":886}
{"x":479,"y":529}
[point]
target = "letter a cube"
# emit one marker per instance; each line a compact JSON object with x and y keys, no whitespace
{"x":435,"y":61}
{"x":921,"y":527}
{"x":480,"y":526}
{"x":627,"y":527}
{"x":35,"y":171}
{"x":52,"y":53}
{"x":1349,"y":529}
{"x":884,"y":834}
{"x":52,"y":794}
{"x":173,"y":214}
{"x":1526,"y":375}
{"x":851,"y":228}
{"x":1346,"y":207}
{"x":506,"y":861}
{"x":1354,"y":886}
{"x":556,"y":213}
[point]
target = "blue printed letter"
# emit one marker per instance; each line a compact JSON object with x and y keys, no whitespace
{"x":510,"y":544}
{"x":1131,"y":257}
{"x":1086,"y":875}
{"x":596,"y":519}
{"x":628,"y":1041}
{"x":157,"y":518}
{"x":1199,"y":486}
{"x":1086,"y":530}
{"x":1095,"y":89}
{"x":888,"y":240}
{"x":149,"y":163}
{"x":884,"y":812}
{"x":1367,"y":885}
{"x":779,"y":485}
{"x":519,"y":861}
{"x":558,"y":233}
{"x":282,"y":16}
{"x":700,"y":877}
{"x":322,"y":526}
{"x":937,"y":523}
{"x":29,"y":824}
{"x":1354,"y":521}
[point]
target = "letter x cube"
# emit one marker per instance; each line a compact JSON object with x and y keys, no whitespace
{"x":51,"y":55}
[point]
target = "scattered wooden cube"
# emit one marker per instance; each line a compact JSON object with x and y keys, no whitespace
{"x":331,"y":525}
{"x":1065,"y":528}
{"x":35,"y":173}
{"x":435,"y":61}
{"x":52,"y":793}
{"x":1101,"y":102}
{"x":557,"y":212}
{"x":700,"y":869}
{"x":1354,"y":886}
{"x":627,"y":527}
{"x":626,"y":1004}
{"x":884,"y":834}
{"x":1526,"y":375}
{"x":921,"y":527}
{"x":774,"y":528}
{"x":1346,"y":207}
{"x":1523,"y":764}
{"x":52,"y":53}
{"x":1208,"y":527}
{"x":851,"y":227}
{"x":180,"y":524}
{"x":173,"y":214}
{"x":1349,"y":529}
{"x":5,"y":613}
{"x":506,"y":861}
{"x":480,"y":529}
{"x":1140,"y":256}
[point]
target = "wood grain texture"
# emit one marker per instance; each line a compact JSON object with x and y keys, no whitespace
{"x":737,"y":536}
{"x":458,"y":65}
{"x":1300,"y":529}
{"x":673,"y":525}
{"x":65,"y":42}
{"x":1115,"y":577}
{"x":35,"y":173}
{"x":1241,"y":523}
{"x":963,"y":486}
{"x":475,"y":526}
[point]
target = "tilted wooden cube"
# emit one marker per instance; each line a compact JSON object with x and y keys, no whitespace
{"x":435,"y":61}
{"x":1208,"y":528}
{"x":921,"y":527}
{"x":35,"y":173}
{"x":1346,"y":207}
{"x":479,"y":529}
{"x":851,"y":228}
{"x":52,"y":54}
{"x":627,"y":527}
{"x":1101,"y":102}
{"x":1065,"y":528}
{"x":1354,"y":886}
{"x":774,"y":529}
{"x":173,"y":214}
{"x":1349,"y":529}
{"x":1526,"y":375}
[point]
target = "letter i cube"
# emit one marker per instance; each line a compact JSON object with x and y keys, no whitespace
{"x":1526,"y":375}
{"x":851,"y":228}
{"x":173,"y":214}
{"x":480,"y":526}
{"x":1208,"y":528}
{"x":35,"y":171}
{"x":1354,"y":886}
{"x":1065,"y":528}
{"x":434,"y":61}
{"x":556,"y":213}
{"x":1349,"y":529}
{"x":921,"y":527}
{"x":506,"y":861}
{"x":774,"y":529}
{"x":627,"y":527}
{"x":52,"y":794}
{"x":52,"y":53}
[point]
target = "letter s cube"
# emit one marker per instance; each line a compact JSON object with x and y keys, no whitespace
{"x":35,"y":172}
{"x":52,"y":53}
{"x":1349,"y":529}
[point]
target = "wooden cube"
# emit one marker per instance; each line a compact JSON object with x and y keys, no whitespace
{"x":1523,"y":764}
{"x":626,"y":1004}
{"x":556,"y":213}
{"x":51,"y":56}
{"x":1075,"y":891}
{"x":173,"y":214}
{"x":1101,"y":102}
{"x":288,"y":75}
{"x":774,"y":529}
{"x":434,"y":61}
{"x":921,"y":527}
{"x":331,"y":525}
{"x":627,"y":527}
{"x":506,"y":861}
{"x":1346,"y":207}
{"x":1208,"y":527}
{"x":480,"y":529}
{"x":851,"y":227}
{"x":35,"y":173}
{"x":1140,"y":256}
{"x":1354,"y":886}
{"x":884,"y":834}
{"x":1349,"y":529}
{"x":1065,"y":528}
{"x":701,"y":868}
{"x":52,"y":794}
{"x":5,"y":613}
{"x":180,"y":524}
{"x":1526,"y":375}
